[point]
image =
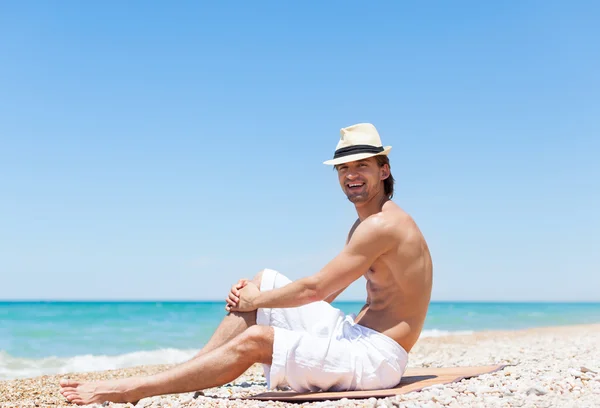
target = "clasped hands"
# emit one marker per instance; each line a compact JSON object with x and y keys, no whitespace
{"x":242,"y":297}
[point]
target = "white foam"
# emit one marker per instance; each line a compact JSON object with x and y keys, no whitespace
{"x":16,"y":367}
{"x":441,"y":333}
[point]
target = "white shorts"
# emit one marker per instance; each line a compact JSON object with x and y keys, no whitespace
{"x":319,"y":348}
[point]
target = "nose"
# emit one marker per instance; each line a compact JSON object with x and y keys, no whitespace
{"x":351,"y":175}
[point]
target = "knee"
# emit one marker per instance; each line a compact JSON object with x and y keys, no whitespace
{"x":257,"y":336}
{"x":256,"y":342}
{"x":258,"y":278}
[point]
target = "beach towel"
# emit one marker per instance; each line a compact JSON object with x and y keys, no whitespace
{"x":414,"y":379}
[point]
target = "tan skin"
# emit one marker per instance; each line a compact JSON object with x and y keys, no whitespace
{"x":384,"y":245}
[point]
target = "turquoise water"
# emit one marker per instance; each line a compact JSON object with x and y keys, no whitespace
{"x":53,"y":337}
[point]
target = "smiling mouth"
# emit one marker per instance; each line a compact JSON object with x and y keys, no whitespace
{"x":355,"y":186}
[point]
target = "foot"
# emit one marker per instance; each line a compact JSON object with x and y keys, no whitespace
{"x":83,"y":393}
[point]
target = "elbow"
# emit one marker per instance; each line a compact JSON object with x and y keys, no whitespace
{"x":312,"y":291}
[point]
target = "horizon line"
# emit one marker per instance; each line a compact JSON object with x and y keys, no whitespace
{"x":221,"y":301}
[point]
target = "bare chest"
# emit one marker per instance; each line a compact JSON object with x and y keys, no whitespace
{"x":379,"y":279}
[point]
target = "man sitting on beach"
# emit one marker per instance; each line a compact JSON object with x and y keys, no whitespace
{"x":291,"y":328}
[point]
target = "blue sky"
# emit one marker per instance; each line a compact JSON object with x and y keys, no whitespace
{"x":156,"y":150}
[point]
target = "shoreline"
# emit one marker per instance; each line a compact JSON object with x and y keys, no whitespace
{"x":527,"y":330}
{"x":547,"y":366}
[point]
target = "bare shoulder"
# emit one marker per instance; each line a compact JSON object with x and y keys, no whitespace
{"x":394,"y":223}
{"x":388,"y":228}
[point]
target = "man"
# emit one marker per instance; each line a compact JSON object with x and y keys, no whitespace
{"x":291,"y":328}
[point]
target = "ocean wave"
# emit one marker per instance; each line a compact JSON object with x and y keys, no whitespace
{"x":18,"y":367}
{"x":440,"y":333}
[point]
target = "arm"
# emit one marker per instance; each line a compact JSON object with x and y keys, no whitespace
{"x":333,"y":296}
{"x":371,"y":239}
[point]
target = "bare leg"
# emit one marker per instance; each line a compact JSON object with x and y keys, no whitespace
{"x":211,"y":369}
{"x":232,"y":325}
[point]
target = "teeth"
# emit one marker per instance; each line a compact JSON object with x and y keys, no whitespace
{"x":355,"y":185}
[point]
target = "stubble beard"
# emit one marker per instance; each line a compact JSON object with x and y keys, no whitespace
{"x":357,"y":198}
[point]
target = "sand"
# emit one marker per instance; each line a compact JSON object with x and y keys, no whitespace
{"x":549,"y":367}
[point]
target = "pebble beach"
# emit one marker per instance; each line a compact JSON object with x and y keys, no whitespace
{"x":547,"y":367}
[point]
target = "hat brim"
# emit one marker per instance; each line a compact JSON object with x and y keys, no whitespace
{"x":357,"y":156}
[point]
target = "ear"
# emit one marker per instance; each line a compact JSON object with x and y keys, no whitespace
{"x":384,"y":171}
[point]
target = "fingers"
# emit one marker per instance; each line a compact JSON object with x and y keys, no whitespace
{"x":235,"y":288}
{"x":233,"y":299}
{"x":234,"y":295}
{"x":241,"y":283}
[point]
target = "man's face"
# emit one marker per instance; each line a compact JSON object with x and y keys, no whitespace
{"x":361,"y":180}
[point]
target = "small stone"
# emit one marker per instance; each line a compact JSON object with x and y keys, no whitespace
{"x":198,"y":394}
{"x":587,"y":370}
{"x":105,"y":404}
{"x":536,"y":391}
{"x":472,"y":389}
{"x":449,"y":392}
{"x":443,"y":400}
{"x":186,"y":399}
{"x":575,"y":373}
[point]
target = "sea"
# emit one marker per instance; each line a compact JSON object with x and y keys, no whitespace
{"x":46,"y":337}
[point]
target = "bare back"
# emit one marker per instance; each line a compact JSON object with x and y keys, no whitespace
{"x":399,"y":282}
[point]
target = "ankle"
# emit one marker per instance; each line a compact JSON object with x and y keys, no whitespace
{"x":137,"y":389}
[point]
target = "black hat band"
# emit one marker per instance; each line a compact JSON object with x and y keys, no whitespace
{"x":346,"y":151}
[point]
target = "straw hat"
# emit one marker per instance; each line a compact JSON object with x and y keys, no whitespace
{"x":358,"y":142}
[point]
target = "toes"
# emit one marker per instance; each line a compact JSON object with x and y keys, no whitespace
{"x":75,"y":399}
{"x":65,"y":382}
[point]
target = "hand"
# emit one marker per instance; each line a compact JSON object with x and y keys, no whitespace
{"x":234,"y":294}
{"x":247,"y":299}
